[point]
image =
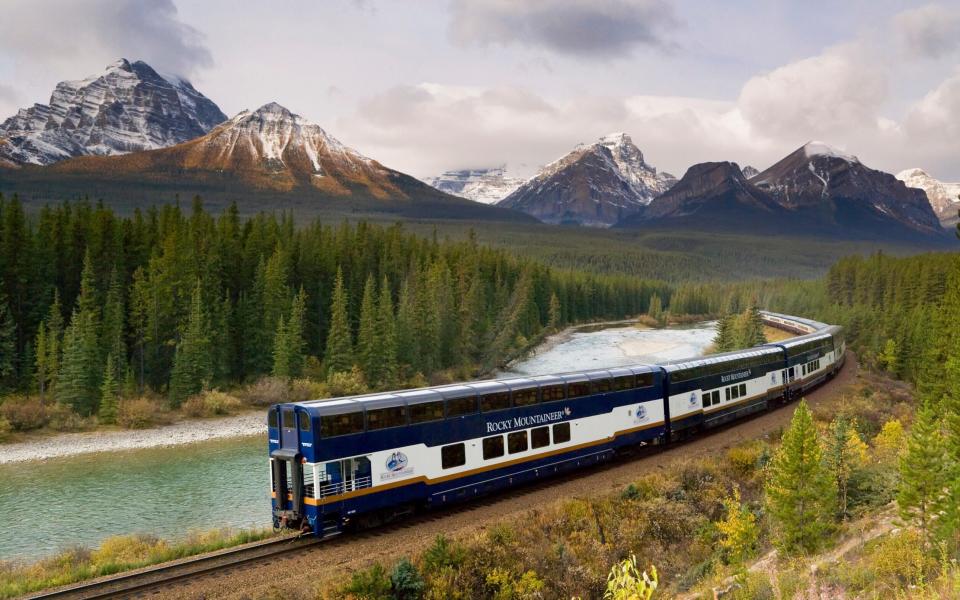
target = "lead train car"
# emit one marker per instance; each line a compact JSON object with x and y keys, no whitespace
{"x":370,"y":458}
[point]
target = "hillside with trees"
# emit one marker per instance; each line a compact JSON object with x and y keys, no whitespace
{"x":169,"y":301}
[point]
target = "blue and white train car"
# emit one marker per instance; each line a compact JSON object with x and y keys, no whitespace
{"x":383,"y":454}
{"x":372,"y":457}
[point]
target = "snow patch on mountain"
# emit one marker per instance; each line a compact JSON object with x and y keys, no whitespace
{"x":127,"y":108}
{"x":815,"y":148}
{"x":487,"y":186}
{"x":944,"y":197}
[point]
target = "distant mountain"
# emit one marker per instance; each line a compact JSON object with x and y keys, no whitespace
{"x":815,"y":190}
{"x":266,"y":158}
{"x":749,"y":172}
{"x":944,"y":197}
{"x":836,"y":191}
{"x":713,"y":195}
{"x":596,"y":185}
{"x":127,"y":108}
{"x":488,"y":186}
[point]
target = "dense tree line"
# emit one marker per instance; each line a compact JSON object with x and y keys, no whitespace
{"x":175,"y":300}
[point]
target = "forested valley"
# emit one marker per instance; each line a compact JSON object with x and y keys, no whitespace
{"x":95,"y":307}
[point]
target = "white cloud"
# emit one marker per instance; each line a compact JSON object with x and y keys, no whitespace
{"x":584,"y":28}
{"x":831,"y":94}
{"x":41,"y":33}
{"x":930,"y":31}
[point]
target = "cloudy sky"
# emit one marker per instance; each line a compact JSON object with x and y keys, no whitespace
{"x":432,"y":85}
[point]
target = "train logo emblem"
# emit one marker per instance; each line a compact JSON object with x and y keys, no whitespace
{"x":397,"y":462}
{"x":693,"y":398}
{"x":641,"y":414}
{"x":567,"y":411}
{"x":773,"y":377}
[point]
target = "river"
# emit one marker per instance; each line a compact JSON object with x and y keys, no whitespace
{"x":80,"y":500}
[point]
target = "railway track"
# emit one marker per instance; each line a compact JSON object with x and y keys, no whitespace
{"x":133,"y":584}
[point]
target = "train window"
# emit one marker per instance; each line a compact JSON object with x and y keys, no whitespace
{"x":728,"y":394}
{"x":539,"y":437}
{"x":517,"y":442}
{"x":492,"y":447}
{"x":644,"y":380}
{"x":716,"y":396}
{"x":735,"y":392}
{"x":706,"y":399}
{"x":272,"y":419}
{"x":381,"y":418}
{"x":525,"y":397}
{"x":552,"y":392}
{"x":288,"y":419}
{"x":624,"y":382}
{"x":304,"y":419}
{"x":495,"y":401}
{"x":578,"y":389}
{"x":334,"y":425}
{"x":743,"y":389}
{"x":561,"y":433}
{"x":454,"y":455}
{"x":601,"y":386}
{"x":457,"y":407}
{"x":426,"y":412}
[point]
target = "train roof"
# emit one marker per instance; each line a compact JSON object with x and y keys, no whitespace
{"x":803,"y":339}
{"x":687,"y":363}
{"x":817,"y":325}
{"x":349,"y":404}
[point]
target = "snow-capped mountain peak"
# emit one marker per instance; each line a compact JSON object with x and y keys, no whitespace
{"x":944,"y":197}
{"x":126,"y":108}
{"x":595,"y":184}
{"x":487,"y":186}
{"x":816,"y":148}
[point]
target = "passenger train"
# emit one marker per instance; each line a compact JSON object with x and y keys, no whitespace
{"x":370,"y":458}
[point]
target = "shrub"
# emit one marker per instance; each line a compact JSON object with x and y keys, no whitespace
{"x":24,"y":414}
{"x":442,"y":554}
{"x":368,"y":584}
{"x":211,"y":403}
{"x":61,"y":417}
{"x":745,"y":459}
{"x":5,"y":429}
{"x":346,"y":383}
{"x":406,"y":581}
{"x":139,"y":413}
{"x":307,"y":389}
{"x":753,"y":586}
{"x":127,"y":549}
{"x":266,"y":391}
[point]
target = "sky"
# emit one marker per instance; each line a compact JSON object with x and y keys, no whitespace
{"x":434,"y":85}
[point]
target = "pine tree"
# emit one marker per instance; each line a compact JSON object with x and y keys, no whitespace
{"x":753,"y":334}
{"x":407,"y":341}
{"x":386,"y":355}
{"x":922,"y":472}
{"x":724,"y":340}
{"x":54,"y":342}
{"x":799,"y":494}
{"x":289,"y":346}
{"x":655,"y":311}
{"x":42,"y":362}
{"x":367,"y":336}
{"x":8,"y":348}
{"x":554,"y":313}
{"x":887,"y":359}
{"x":846,"y":454}
{"x":113,"y":341}
{"x":192,"y":367}
{"x":339,"y":353}
{"x":79,"y":379}
{"x":109,"y":391}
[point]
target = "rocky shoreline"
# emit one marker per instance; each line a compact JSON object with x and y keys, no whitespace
{"x":183,"y":432}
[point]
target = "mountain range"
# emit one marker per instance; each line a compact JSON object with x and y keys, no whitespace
{"x":597,"y":184}
{"x":132,"y":136}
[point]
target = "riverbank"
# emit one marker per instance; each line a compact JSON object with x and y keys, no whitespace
{"x":176,"y":434}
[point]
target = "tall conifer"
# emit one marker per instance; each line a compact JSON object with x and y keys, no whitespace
{"x":799,"y":494}
{"x":192,"y":366}
{"x":339,"y":354}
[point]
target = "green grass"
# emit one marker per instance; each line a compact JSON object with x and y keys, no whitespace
{"x":116,"y":554}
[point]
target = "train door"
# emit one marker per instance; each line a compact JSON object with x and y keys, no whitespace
{"x":288,"y":428}
{"x":356,"y":473}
